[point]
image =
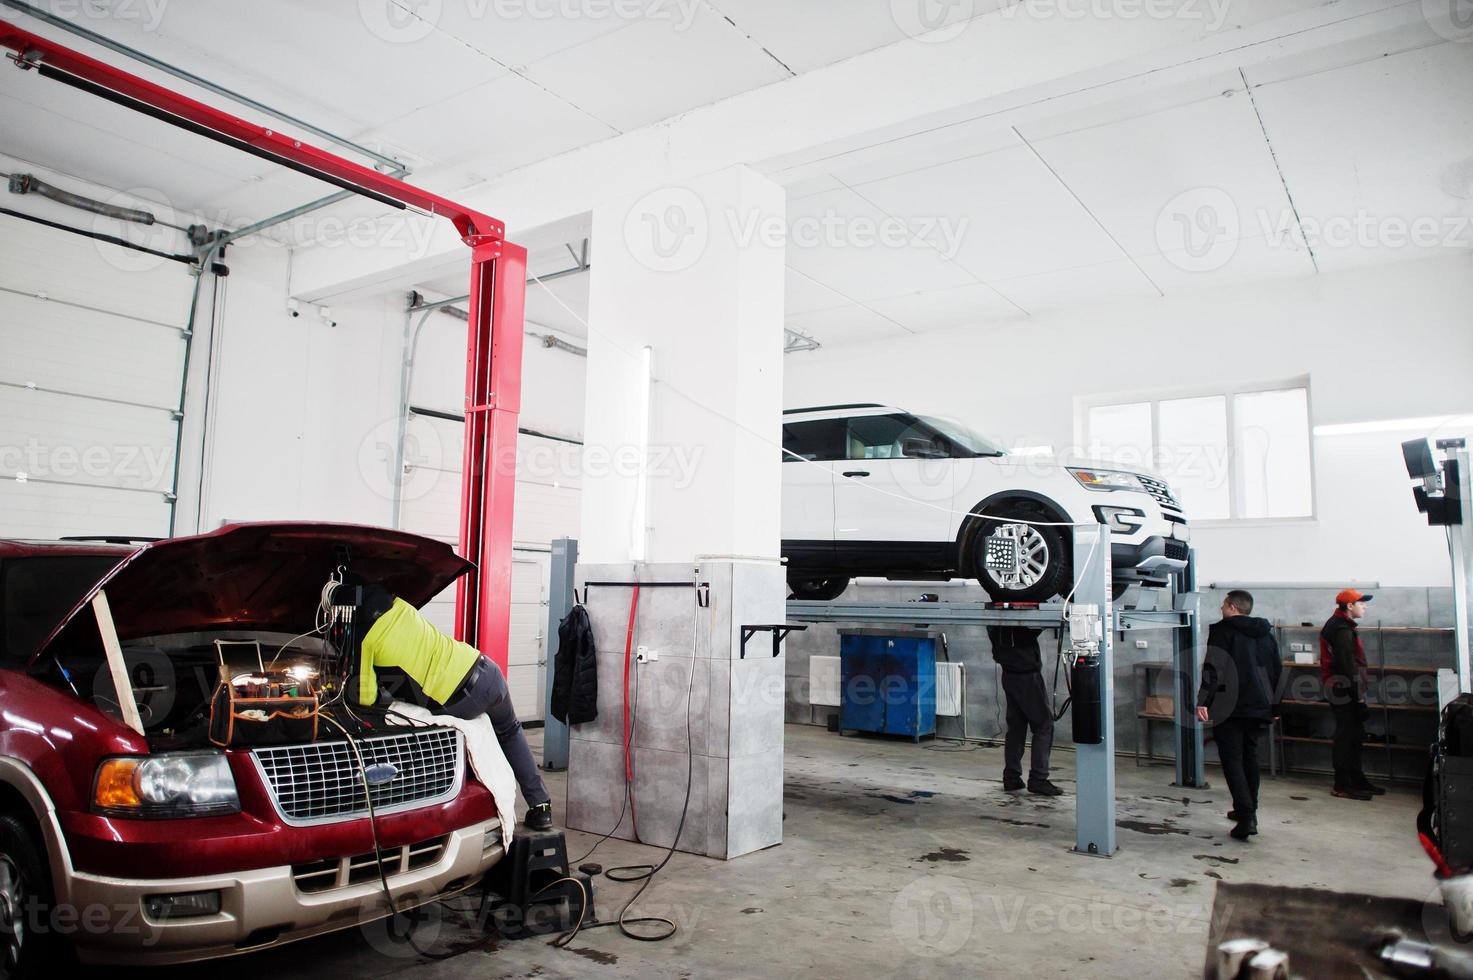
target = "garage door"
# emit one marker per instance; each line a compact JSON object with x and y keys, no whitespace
{"x":93,"y":341}
{"x":547,"y":501}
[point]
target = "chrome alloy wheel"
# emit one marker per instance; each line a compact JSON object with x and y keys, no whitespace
{"x":12,"y":917}
{"x":1033,"y":556}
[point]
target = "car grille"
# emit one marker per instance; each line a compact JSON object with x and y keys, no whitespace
{"x":325,"y":875}
{"x":320,"y":782}
{"x":1170,"y":506}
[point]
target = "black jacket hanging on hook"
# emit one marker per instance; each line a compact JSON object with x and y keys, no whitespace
{"x":575,"y":671}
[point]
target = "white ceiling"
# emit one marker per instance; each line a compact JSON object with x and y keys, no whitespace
{"x":1069,"y":211}
{"x":1079,"y":209}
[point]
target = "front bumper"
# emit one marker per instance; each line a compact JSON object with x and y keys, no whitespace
{"x":107,"y":920}
{"x":1152,"y":559}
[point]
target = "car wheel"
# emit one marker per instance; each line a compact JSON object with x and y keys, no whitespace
{"x":800,"y":587}
{"x":1044,"y":562}
{"x":25,"y":903}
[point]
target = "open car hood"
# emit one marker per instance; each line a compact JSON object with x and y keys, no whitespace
{"x":261,"y":576}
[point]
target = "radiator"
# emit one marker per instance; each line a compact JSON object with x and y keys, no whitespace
{"x":951,"y":686}
{"x":823,"y":681}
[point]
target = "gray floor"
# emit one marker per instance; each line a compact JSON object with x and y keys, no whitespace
{"x":906,"y":860}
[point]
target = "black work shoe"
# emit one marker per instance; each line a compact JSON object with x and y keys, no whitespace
{"x":1042,"y":787}
{"x":1350,"y":794}
{"x":1233,"y":815}
{"x":1373,"y":789}
{"x":1011,"y":783}
{"x":1244,"y":829}
{"x":538,"y":817}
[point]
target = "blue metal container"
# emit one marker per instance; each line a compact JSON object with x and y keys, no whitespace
{"x":888,"y":682}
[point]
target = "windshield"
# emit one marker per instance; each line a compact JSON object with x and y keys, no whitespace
{"x":963,"y":437}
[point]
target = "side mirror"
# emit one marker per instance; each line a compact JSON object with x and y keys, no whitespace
{"x":922,"y":449}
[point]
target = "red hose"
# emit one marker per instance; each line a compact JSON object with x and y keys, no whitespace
{"x":628,"y":756}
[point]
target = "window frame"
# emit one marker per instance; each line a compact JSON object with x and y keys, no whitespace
{"x":1229,"y":393}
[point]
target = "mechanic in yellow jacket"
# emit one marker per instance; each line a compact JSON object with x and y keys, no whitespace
{"x":453,"y":675}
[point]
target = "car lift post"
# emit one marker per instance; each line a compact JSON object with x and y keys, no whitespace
{"x":1187,"y":651}
{"x":494,"y":327}
{"x":1094,"y":764}
{"x":560,"y":601}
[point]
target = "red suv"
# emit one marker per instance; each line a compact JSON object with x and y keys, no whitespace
{"x":154,"y":846}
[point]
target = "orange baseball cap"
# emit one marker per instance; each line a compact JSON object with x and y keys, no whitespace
{"x":1347,"y":596}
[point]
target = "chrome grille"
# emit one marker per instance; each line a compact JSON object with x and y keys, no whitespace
{"x":320,"y":782}
{"x":1161,"y":492}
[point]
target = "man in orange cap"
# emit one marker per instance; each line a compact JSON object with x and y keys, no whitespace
{"x":1343,"y":669}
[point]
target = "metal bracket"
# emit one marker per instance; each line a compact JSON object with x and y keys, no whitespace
{"x":779,"y":632}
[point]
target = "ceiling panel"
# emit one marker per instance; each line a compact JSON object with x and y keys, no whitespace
{"x":944,"y":309}
{"x":1374,"y":150}
{"x":812,"y":33}
{"x":1107,"y":282}
{"x":846,"y":325}
{"x":837,"y":239}
{"x":805,"y":295}
{"x":655,"y":69}
{"x":1008,"y":213}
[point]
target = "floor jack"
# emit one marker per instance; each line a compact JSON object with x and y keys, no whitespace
{"x":533,"y":892}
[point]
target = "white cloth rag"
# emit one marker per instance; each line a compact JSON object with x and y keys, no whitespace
{"x":488,"y":762}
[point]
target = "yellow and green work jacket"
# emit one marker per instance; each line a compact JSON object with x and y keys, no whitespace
{"x":404,"y":639}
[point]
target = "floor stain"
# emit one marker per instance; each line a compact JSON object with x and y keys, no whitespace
{"x":945,"y":854}
{"x":1213,"y":874}
{"x":1154,"y":829}
{"x":1301,"y":799}
{"x":893,"y":799}
{"x":1014,"y":823}
{"x":1182,"y":883}
{"x":752,"y":911}
{"x":597,"y":955}
{"x":1214,"y":857}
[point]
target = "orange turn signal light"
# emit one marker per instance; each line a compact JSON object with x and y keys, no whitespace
{"x":116,"y":787}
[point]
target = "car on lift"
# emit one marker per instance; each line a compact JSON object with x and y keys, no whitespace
{"x":875,"y":490}
{"x":155,"y":846}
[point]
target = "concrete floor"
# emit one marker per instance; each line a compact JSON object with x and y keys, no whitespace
{"x":902,"y":860}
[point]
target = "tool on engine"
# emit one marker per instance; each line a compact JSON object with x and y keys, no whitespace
{"x":254,"y":705}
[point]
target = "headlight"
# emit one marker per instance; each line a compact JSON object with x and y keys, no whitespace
{"x":1107,"y":480}
{"x":176,"y":784}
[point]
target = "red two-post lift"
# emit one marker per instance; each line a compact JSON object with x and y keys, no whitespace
{"x":493,"y":355}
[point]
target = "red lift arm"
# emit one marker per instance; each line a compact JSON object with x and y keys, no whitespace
{"x":493,"y":387}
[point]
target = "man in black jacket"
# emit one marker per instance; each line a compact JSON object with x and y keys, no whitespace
{"x":1239,"y":695}
{"x":1030,"y":706}
{"x":1343,"y":670}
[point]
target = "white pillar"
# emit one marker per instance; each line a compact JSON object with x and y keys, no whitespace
{"x":689,"y":280}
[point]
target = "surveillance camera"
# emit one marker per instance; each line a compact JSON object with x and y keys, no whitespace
{"x":293,"y":307}
{"x":326,"y":314}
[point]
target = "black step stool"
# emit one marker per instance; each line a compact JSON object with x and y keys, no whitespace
{"x":522,"y":896}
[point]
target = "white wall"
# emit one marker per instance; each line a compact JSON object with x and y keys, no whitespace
{"x":1386,"y":343}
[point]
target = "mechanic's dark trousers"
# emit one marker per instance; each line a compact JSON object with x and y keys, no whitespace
{"x":1346,"y":750}
{"x":1237,"y":748}
{"x":490,"y":696}
{"x":1029,"y":708}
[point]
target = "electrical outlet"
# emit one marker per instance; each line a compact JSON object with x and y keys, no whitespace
{"x":1142,"y":644}
{"x":645,"y":655}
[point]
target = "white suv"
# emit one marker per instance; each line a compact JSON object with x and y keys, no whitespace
{"x":875,"y":490}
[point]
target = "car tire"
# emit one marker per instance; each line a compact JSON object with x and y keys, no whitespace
{"x":25,"y":904}
{"x":1047,"y":561}
{"x":821,"y":589}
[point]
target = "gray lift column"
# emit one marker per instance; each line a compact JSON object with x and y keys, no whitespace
{"x":559,"y":603}
{"x":1094,"y":815}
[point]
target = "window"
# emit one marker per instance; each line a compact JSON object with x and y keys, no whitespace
{"x":815,"y":441}
{"x":1234,"y":454}
{"x":35,"y":593}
